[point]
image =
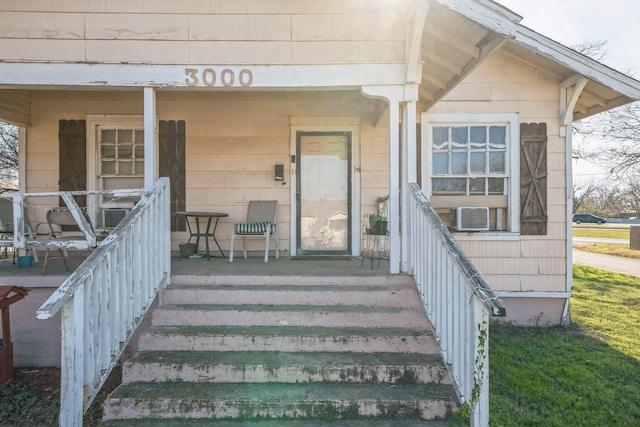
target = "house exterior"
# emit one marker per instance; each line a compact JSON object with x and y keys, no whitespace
{"x":352,"y":101}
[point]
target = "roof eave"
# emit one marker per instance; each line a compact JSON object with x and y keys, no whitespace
{"x":577,"y":62}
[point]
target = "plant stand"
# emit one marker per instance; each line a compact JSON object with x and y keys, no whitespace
{"x":375,"y":245}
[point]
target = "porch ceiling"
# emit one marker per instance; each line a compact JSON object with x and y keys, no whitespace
{"x":452,"y":47}
{"x":15,"y":107}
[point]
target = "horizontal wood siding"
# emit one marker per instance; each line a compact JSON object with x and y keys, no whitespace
{"x":503,"y":84}
{"x":233,"y":142}
{"x":204,"y":32}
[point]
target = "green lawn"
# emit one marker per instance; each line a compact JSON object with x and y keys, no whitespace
{"x":601,"y":231}
{"x":587,"y":374}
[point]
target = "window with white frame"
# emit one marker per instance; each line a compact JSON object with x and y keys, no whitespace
{"x":115,"y":158}
{"x":121,"y":152}
{"x":469,"y":160}
{"x":472,"y":161}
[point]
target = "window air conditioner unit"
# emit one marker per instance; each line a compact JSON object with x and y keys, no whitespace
{"x":112,"y":217}
{"x":470,"y":219}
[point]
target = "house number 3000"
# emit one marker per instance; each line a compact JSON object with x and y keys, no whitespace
{"x":208,"y":77}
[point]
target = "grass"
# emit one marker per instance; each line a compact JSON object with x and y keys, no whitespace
{"x":602,"y":232}
{"x":605,"y":248}
{"x":582,"y":375}
{"x":608,"y":249}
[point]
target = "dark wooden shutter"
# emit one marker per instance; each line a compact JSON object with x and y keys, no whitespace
{"x":533,"y":179}
{"x":72,"y":158}
{"x":172,"y":137}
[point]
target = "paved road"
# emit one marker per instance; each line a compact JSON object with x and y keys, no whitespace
{"x":617,"y":264}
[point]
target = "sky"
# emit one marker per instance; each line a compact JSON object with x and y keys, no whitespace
{"x":572,"y":22}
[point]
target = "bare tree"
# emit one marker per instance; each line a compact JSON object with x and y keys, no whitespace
{"x":582,"y":193}
{"x":8,"y":152}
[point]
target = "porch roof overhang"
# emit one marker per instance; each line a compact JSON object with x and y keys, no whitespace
{"x":451,"y":39}
{"x":457,"y":38}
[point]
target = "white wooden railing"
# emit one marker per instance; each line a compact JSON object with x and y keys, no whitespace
{"x":106,"y":297}
{"x":458,"y":303}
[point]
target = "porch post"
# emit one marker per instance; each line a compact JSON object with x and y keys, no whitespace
{"x":409,"y":174}
{"x":150,"y":131}
{"x":394,"y":95}
{"x":394,"y":187}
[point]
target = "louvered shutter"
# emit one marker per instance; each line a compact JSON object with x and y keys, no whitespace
{"x":172,"y":137}
{"x":533,"y":179}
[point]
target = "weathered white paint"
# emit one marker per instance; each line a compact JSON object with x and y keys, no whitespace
{"x":570,"y":91}
{"x":409,"y":174}
{"x":105,"y":299}
{"x":458,"y":303}
{"x":150,"y":138}
{"x":137,"y":75}
{"x":23,"y":237}
{"x":532,"y":294}
{"x":490,"y":15}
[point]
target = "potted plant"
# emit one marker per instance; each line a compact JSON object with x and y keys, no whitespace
{"x":377,"y":224}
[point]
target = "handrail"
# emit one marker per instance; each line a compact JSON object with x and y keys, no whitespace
{"x":104,"y":300}
{"x":458,"y":303}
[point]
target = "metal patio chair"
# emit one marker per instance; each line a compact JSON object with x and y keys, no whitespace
{"x":65,"y":234}
{"x":261,"y":222}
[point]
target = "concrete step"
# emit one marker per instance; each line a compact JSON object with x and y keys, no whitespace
{"x":323,"y":401}
{"x":303,"y":367}
{"x":288,"y":339}
{"x":257,"y":280}
{"x":287,"y":315}
{"x":158,"y":422}
{"x":401,"y":295}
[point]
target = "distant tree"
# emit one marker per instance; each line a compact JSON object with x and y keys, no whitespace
{"x":8,"y":152}
{"x":582,"y":193}
{"x":612,"y":141}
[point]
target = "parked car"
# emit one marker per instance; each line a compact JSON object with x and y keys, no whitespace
{"x":578,"y":218}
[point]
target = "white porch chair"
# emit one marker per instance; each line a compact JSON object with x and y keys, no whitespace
{"x":59,"y":221}
{"x":261,"y":222}
{"x":7,"y":228}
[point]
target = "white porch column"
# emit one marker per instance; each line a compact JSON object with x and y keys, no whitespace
{"x":150,"y":137}
{"x":394,"y":95}
{"x":409,"y":174}
{"x":394,"y":187}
